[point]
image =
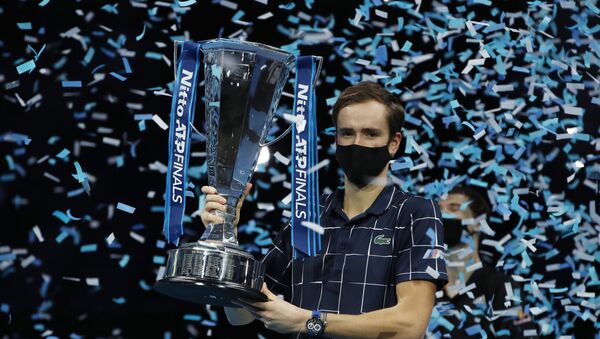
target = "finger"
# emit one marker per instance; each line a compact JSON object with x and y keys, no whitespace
{"x":253,"y":312}
{"x":249,"y":306}
{"x":211,"y":205}
{"x":215,"y":198}
{"x":248,"y":188}
{"x":266,"y":291}
{"x":257,"y":304}
{"x":209,"y":190}
{"x":208,"y":218}
{"x":246,"y":192}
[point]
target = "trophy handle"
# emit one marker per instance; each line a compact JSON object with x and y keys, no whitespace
{"x":319,"y":65}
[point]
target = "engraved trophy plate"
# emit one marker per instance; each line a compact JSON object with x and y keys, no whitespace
{"x":243,"y":84}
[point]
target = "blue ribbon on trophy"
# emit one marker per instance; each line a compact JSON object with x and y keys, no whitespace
{"x":305,"y":180}
{"x":182,"y":116}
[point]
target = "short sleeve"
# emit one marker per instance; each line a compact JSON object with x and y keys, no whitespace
{"x":277,"y":262}
{"x":420,"y":243}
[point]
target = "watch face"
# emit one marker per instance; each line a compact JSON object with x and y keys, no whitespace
{"x":314,"y":326}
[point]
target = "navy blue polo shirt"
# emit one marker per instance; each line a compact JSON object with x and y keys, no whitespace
{"x":398,"y":238}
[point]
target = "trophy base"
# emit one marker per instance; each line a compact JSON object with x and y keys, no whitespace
{"x":206,"y":292}
{"x":208,"y":272}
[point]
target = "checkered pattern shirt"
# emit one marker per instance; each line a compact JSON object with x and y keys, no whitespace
{"x":398,"y":238}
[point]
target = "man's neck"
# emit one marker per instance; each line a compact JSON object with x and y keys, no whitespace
{"x":358,"y":200}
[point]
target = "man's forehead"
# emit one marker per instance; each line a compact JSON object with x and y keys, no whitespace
{"x":361,"y":127}
{"x":455,"y":198}
{"x":357,"y":116}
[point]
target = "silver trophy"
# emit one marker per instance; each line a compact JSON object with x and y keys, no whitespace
{"x":243,"y":84}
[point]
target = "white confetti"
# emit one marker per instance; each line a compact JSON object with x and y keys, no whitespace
{"x":432,"y":272}
{"x":160,"y":122}
{"x":38,"y":233}
{"x":110,"y":238}
{"x":315,"y":227}
{"x":92,"y":281}
{"x":137,"y":237}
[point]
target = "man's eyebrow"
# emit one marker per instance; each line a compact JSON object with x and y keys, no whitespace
{"x":371,"y":129}
{"x":364,"y":130}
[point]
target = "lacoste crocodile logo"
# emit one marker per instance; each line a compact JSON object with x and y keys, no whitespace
{"x":380,"y":240}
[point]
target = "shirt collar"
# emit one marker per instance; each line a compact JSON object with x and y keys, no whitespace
{"x":380,"y":205}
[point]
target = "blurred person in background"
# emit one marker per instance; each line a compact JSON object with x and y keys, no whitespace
{"x":476,"y":297}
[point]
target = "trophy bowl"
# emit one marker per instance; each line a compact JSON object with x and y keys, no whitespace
{"x":207,"y":272}
{"x":243,"y":85}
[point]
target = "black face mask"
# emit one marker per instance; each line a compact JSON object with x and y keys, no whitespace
{"x":452,"y":231}
{"x":361,"y":164}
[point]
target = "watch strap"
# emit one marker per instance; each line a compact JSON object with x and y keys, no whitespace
{"x":317,"y":318}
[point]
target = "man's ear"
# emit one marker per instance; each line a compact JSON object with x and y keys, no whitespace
{"x":395,"y":143}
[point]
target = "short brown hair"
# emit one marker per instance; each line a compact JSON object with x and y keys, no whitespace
{"x":366,"y":91}
{"x":479,"y":205}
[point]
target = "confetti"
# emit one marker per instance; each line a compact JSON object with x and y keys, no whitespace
{"x":63,"y":154}
{"x":26,"y":67}
{"x":71,"y":83}
{"x":92,"y":281}
{"x":141,"y":35}
{"x":38,"y":233}
{"x":186,"y":3}
{"x":125,"y":208}
{"x":89,"y":248}
{"x":315,"y":227}
{"x":432,"y":272}
{"x":161,"y":123}
{"x":118,"y":76}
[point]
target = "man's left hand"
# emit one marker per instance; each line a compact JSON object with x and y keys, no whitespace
{"x":277,"y":314}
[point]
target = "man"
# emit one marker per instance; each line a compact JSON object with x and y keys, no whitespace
{"x":461,"y":204}
{"x":475,"y":299}
{"x":382,"y":258}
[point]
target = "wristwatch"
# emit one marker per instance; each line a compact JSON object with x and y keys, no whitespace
{"x":315,"y":326}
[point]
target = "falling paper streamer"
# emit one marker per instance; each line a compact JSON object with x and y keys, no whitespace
{"x":125,"y":208}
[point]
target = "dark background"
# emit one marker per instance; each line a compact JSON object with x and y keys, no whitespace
{"x":35,"y":298}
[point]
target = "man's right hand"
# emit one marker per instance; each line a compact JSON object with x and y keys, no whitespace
{"x":214,"y":202}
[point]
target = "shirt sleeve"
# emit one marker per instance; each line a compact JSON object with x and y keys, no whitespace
{"x":278,"y":264}
{"x":420,"y":243}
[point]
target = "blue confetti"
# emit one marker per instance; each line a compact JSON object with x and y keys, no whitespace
{"x":63,"y":154}
{"x":26,"y":67}
{"x":186,"y":3}
{"x":126,"y":64}
{"x":125,"y":208}
{"x":71,"y":83}
{"x":118,"y":76}
{"x":24,"y":26}
{"x":141,"y":35}
{"x":89,"y":248}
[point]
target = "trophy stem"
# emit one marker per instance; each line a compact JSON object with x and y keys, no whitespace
{"x":222,"y":232}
